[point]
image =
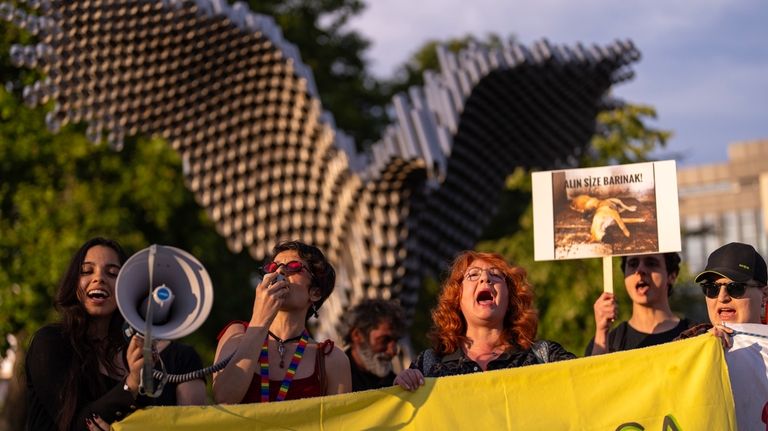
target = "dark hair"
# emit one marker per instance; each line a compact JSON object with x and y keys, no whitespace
{"x":672,"y":262}
{"x":449,"y":330}
{"x":86,"y":356}
{"x":323,"y":274}
{"x":370,"y":313}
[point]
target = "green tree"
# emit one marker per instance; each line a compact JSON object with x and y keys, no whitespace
{"x":57,"y":190}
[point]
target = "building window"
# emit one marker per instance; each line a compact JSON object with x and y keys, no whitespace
{"x":748,"y":223}
{"x":693,"y":243}
{"x":730,"y":227}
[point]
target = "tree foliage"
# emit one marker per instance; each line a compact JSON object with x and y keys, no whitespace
{"x":57,"y":190}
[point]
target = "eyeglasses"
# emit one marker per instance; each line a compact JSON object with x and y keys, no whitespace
{"x":289,"y":268}
{"x":474,"y":274}
{"x":735,"y":289}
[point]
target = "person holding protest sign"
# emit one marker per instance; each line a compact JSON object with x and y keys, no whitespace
{"x":734,"y":285}
{"x":649,"y":279}
{"x":484,"y":320}
{"x":272,"y":356}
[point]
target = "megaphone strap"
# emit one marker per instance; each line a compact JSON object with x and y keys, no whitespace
{"x":289,"y":373}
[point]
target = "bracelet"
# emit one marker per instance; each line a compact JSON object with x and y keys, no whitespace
{"x":126,"y":388}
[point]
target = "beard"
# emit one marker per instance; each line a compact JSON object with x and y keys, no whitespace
{"x":378,"y":364}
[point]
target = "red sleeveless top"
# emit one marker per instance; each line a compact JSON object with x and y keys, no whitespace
{"x":307,"y":387}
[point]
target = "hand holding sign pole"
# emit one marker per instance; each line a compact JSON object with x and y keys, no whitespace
{"x":607,"y":274}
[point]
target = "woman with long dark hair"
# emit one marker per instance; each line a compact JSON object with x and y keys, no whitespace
{"x":273,"y":356}
{"x":484,"y":320}
{"x":81,"y":373}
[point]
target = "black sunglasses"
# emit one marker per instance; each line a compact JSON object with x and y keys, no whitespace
{"x":289,"y":268}
{"x":735,"y":289}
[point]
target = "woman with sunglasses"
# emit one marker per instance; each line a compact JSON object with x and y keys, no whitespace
{"x":273,"y":357}
{"x":484,"y":320}
{"x":734,"y":285}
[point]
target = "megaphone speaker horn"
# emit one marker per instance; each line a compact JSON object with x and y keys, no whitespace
{"x":181,"y":292}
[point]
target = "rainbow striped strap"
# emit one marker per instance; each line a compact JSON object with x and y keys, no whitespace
{"x":289,"y":373}
{"x":264,"y":370}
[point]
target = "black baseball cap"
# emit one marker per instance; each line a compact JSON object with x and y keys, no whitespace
{"x":737,"y":261}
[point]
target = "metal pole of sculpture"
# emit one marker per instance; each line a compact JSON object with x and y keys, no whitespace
{"x":227,"y":92}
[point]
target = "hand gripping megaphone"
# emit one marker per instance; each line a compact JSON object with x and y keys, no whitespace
{"x":163,"y":293}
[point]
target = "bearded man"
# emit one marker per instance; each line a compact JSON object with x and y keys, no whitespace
{"x":375,"y":326}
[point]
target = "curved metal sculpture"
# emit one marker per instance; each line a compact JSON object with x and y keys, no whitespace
{"x":224,"y":88}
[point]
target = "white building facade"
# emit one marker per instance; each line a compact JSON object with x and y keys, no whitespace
{"x":725,"y":202}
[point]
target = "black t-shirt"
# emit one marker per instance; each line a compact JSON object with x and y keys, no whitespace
{"x":625,"y":337}
{"x":362,"y":380}
{"x":50,"y":354}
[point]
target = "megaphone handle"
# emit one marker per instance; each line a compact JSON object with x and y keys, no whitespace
{"x":161,"y":375}
{"x":147,"y":382}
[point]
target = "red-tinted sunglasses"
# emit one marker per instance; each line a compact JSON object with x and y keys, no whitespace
{"x":289,"y":268}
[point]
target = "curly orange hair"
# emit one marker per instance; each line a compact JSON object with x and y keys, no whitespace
{"x":449,"y":325}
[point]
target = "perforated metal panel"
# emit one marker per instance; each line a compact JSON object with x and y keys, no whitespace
{"x":224,"y":88}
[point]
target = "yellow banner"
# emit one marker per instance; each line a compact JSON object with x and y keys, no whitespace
{"x":676,"y":386}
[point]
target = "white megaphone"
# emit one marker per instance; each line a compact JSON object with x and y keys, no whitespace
{"x":163,"y":293}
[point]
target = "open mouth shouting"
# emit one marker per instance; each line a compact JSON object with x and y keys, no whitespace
{"x":726,"y":314}
{"x":642,"y":287}
{"x":485,"y":298}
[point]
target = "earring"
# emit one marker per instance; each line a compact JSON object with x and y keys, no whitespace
{"x":314,"y":310}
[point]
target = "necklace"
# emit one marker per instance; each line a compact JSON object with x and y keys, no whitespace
{"x":289,"y":373}
{"x":493,"y":353}
{"x":281,"y":344}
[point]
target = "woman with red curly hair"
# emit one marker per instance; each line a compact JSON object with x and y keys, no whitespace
{"x":484,"y":320}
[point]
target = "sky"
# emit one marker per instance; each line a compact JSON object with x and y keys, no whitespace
{"x":704,"y":64}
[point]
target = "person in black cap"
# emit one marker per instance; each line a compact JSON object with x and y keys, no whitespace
{"x":734,"y":284}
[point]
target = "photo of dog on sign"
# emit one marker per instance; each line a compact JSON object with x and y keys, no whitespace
{"x":604,"y":213}
{"x":610,"y":211}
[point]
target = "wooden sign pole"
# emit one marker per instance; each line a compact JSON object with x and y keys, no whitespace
{"x":607,"y":274}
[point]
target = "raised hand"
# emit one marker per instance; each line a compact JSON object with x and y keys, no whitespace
{"x":724,"y":334}
{"x":270,"y":294}
{"x":606,"y":310}
{"x":135,"y":358}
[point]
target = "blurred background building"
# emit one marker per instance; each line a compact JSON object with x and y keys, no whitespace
{"x":724,"y":202}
